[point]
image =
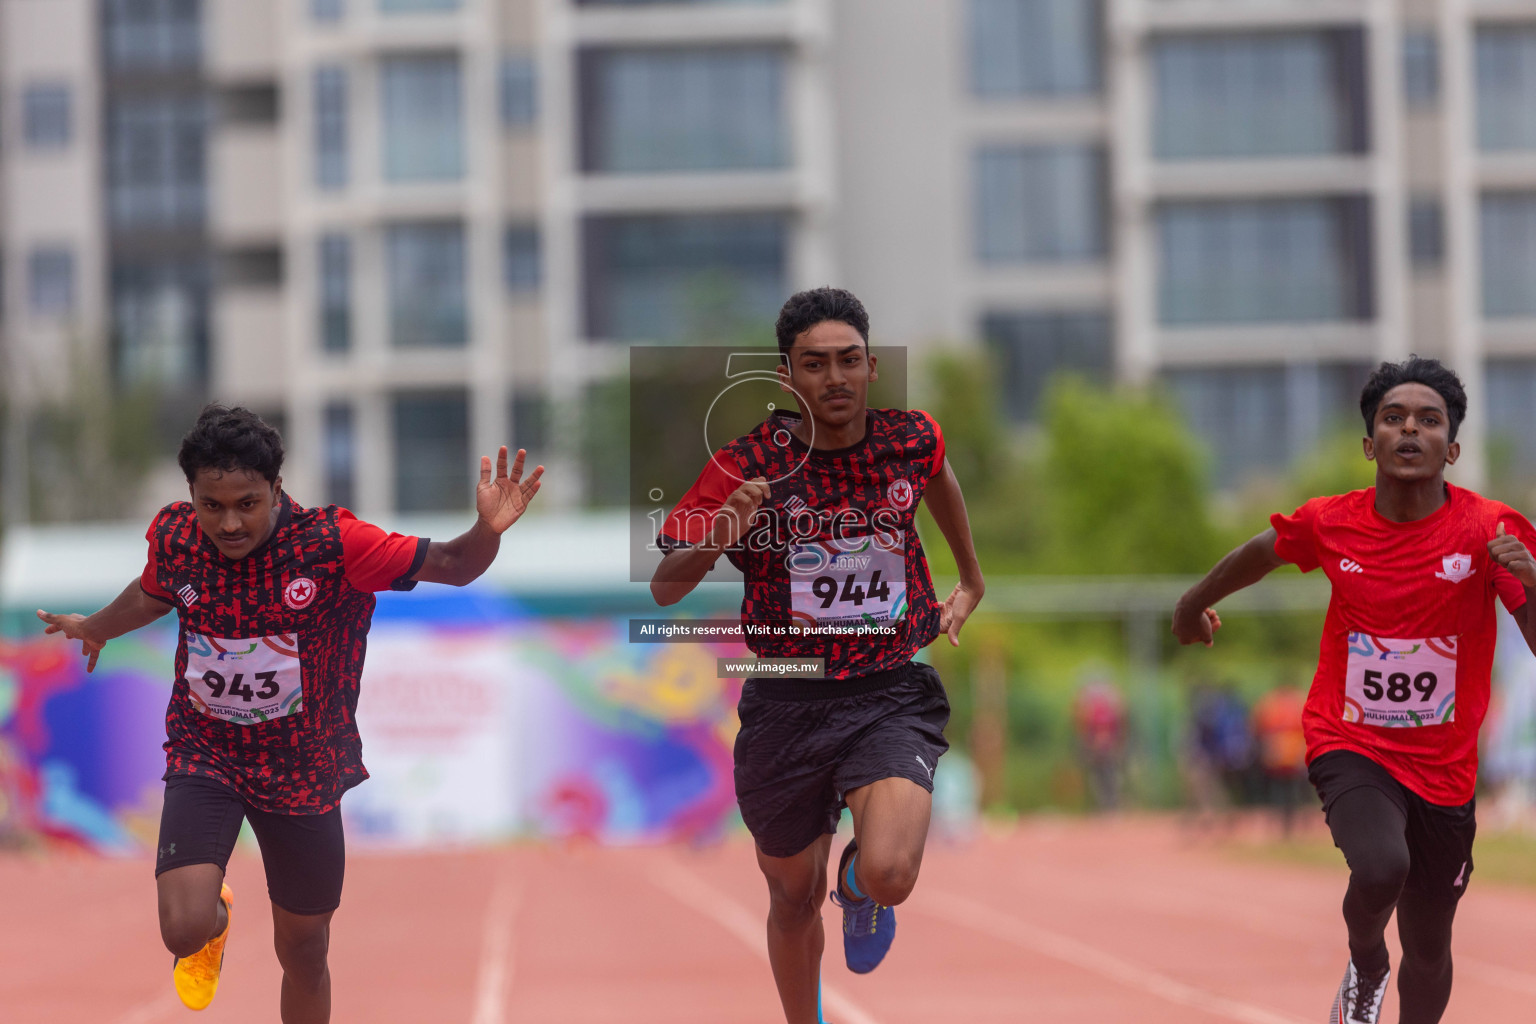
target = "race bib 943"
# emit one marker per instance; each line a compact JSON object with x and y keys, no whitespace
{"x":1400,"y":683}
{"x":247,"y":681}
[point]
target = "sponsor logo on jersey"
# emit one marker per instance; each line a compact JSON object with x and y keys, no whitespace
{"x":1350,"y":565}
{"x":900,"y":493}
{"x":299,"y":593}
{"x":189,"y":597}
{"x":1457,"y":568}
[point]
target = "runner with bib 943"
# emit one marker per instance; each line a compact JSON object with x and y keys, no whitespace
{"x":1403,"y":670}
{"x":274,"y":602}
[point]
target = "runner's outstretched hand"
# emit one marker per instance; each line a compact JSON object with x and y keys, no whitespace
{"x":736,"y":514}
{"x":957,"y":607}
{"x":1513,"y":556}
{"x":1196,"y":626}
{"x":73,"y":627}
{"x":502,"y":501}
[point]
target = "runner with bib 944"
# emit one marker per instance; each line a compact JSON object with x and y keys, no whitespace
{"x":1403,"y":671}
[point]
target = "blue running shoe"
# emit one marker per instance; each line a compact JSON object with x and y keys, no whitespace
{"x":868,"y":927}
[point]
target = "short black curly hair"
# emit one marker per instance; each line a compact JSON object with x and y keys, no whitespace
{"x":804,"y":310}
{"x":230,"y":440}
{"x":1430,"y":372}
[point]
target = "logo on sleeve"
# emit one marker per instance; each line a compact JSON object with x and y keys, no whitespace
{"x":299,"y":593}
{"x":899,"y":494}
{"x":1457,"y":568}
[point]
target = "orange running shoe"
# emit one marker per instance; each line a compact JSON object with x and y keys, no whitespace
{"x":197,"y":976}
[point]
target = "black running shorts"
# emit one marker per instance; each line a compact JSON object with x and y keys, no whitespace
{"x":304,"y":854}
{"x":1439,"y":838}
{"x":805,"y":743}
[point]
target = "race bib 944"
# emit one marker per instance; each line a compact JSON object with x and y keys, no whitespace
{"x":1400,"y":683}
{"x":245,"y":682}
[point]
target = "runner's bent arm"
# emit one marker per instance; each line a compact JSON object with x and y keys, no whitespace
{"x":683,"y":568}
{"x":1194,"y":620}
{"x":1509,"y":552}
{"x":127,"y":612}
{"x":500,"y":502}
{"x":947,"y":506}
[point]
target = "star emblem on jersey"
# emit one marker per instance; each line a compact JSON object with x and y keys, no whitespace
{"x":1457,"y":568}
{"x":899,"y":493}
{"x":299,"y":593}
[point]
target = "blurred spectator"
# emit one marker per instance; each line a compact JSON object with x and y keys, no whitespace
{"x":1282,"y":750}
{"x":1218,"y":751}
{"x":1099,"y":717}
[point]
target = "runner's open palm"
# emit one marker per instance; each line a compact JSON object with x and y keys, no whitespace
{"x":503,"y":500}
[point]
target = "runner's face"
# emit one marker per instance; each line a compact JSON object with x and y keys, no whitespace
{"x":236,"y":510}
{"x":1411,"y":439}
{"x":830,"y":369}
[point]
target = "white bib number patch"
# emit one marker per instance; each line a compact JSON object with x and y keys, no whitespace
{"x":1402,"y":684}
{"x":857,"y":581}
{"x":248,"y":681}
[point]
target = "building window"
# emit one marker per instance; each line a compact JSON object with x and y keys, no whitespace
{"x":432,"y":451}
{"x":1508,"y":231}
{"x":162,"y":35}
{"x":427,"y":307}
{"x":340,"y":454}
{"x":519,"y":88}
{"x":327,"y":11}
{"x":700,"y":109}
{"x":1040,"y":204}
{"x":418,"y":6}
{"x":157,"y":161}
{"x":1029,"y":348}
{"x":248,"y":105}
{"x":1511,"y":413}
{"x":521,"y":258}
{"x":45,"y":113}
{"x":1506,"y":87}
{"x":1426,"y":234}
{"x":1260,"y":95}
{"x":251,"y":267}
{"x":330,"y":85}
{"x":335,"y":293}
{"x":1284,"y":260}
{"x":646,"y":3}
{"x":1035,"y":47}
{"x":160,"y":316}
{"x":1421,"y":68}
{"x":684,"y":277}
{"x":423,"y":120}
{"x":51,"y":281}
{"x":530,"y":423}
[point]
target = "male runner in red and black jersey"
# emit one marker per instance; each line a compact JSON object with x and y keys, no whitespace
{"x":1402,"y":676}
{"x":274,"y":602}
{"x":818,"y":511}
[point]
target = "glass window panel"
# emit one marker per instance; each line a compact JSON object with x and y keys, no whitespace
{"x":1032,"y":347}
{"x":335,"y":293}
{"x":1511,"y":413}
{"x":330,"y":94}
{"x":423,"y":121}
{"x":1506,"y":87}
{"x":1035,"y":47}
{"x":1508,"y":235}
{"x":157,"y":161}
{"x":701,"y":109}
{"x":153,"y":34}
{"x":648,"y":3}
{"x":1426,"y":233}
{"x":1269,"y":94}
{"x":45,"y":113}
{"x":1040,"y":204}
{"x":160,"y":320}
{"x":521,"y":258}
{"x":418,"y":6}
{"x":684,"y":278}
{"x":427,"y":306}
{"x":519,"y":90}
{"x":432,"y":451}
{"x":1288,"y":260}
{"x":1421,"y":68}
{"x":51,"y":275}
{"x":327,"y":10}
{"x":340,"y":454}
{"x":530,"y":424}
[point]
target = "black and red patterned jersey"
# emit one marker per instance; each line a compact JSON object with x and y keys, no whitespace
{"x":835,"y":546}
{"x":271,"y":649}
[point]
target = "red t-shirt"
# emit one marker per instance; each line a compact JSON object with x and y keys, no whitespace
{"x":1407,"y":649}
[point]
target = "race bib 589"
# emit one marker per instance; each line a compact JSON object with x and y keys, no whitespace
{"x":1400,"y":683}
{"x":247,"y":681}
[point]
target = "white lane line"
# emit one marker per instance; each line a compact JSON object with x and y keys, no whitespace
{"x":495,"y":971}
{"x":150,"y":1011}
{"x":967,"y":913}
{"x":690,"y":891}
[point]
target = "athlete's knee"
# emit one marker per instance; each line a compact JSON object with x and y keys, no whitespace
{"x":185,"y":931}
{"x":794,"y":906}
{"x":303,"y":956}
{"x":889,"y":878}
{"x":1378,"y":879}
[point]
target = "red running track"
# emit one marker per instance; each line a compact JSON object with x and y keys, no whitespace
{"x":1055,"y":920}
